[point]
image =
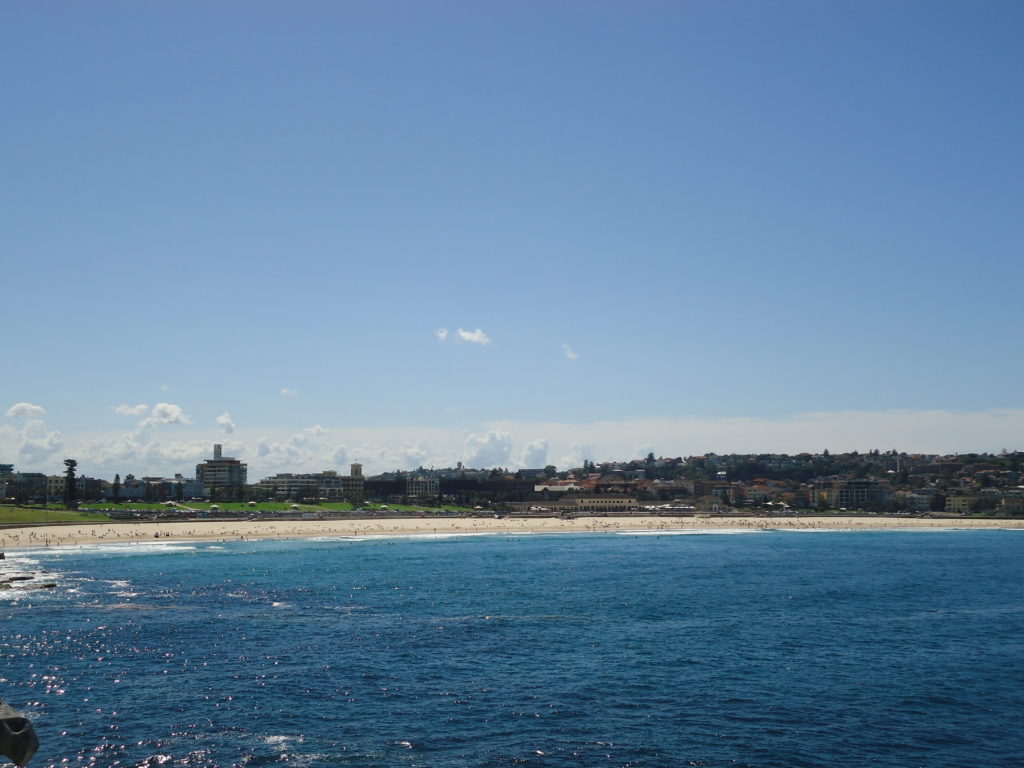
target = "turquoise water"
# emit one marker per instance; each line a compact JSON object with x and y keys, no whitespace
{"x":755,"y":649}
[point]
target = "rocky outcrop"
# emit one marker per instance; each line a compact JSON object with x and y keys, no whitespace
{"x":27,"y":582}
{"x":11,"y":578}
{"x":18,"y":740}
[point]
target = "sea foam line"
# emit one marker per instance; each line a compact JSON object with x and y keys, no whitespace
{"x":119,"y":548}
{"x":689,"y":532}
{"x":411,"y":536}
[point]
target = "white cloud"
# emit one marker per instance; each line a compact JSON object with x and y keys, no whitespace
{"x":568,"y":352}
{"x":33,"y":444}
{"x":226,"y":423}
{"x":535,"y":454}
{"x":413,"y":456}
{"x":493,"y":449}
{"x":165,"y":413}
{"x":36,"y":448}
{"x":142,"y":454}
{"x":579,"y":452}
{"x":119,"y":452}
{"x":370,"y":455}
{"x":132,"y":410}
{"x":442,"y":334}
{"x":641,"y":451}
{"x":307,"y":435}
{"x":276,"y":453}
{"x":26,"y":410}
{"x":303,"y":451}
{"x":939,"y":432}
{"x":38,"y":443}
{"x":286,"y":392}
{"x":475,"y":337}
{"x":183,"y":454}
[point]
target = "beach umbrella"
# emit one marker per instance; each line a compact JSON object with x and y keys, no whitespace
{"x":18,"y":740}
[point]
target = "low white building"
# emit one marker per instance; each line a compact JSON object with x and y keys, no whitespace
{"x":605,"y":504}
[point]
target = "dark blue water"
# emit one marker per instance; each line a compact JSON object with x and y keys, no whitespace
{"x":763,"y":649}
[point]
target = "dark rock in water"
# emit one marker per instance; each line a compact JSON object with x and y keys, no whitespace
{"x":25,"y":581}
{"x":18,"y":739}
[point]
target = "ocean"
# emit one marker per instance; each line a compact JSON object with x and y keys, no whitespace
{"x":758,"y":649}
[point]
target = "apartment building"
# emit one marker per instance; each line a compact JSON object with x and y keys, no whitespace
{"x":422,"y":486}
{"x":847,"y":492}
{"x":220,"y":473}
{"x":328,"y":485}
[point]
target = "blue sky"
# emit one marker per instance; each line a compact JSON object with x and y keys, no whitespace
{"x":678,"y":227}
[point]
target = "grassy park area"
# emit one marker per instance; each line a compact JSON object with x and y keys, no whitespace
{"x":15,"y":515}
{"x":102,"y":511}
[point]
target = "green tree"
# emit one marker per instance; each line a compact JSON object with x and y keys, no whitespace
{"x":70,"y":496}
{"x":984,"y":503}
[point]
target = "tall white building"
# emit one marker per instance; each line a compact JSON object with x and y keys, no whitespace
{"x":221,"y":472}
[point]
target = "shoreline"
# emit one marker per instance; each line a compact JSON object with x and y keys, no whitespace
{"x":79,"y":534}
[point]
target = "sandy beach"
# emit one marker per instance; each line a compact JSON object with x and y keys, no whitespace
{"x":212,"y":530}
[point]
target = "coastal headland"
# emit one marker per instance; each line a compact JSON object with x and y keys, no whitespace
{"x":213,"y":530}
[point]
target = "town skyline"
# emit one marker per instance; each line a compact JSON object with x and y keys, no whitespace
{"x":877,"y":482}
{"x":147,"y":451}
